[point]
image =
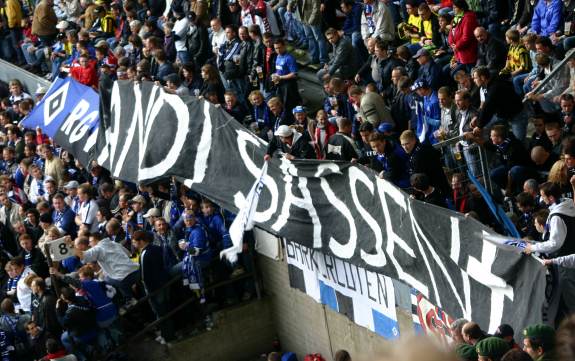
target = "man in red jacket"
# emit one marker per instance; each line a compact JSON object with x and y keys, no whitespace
{"x":85,"y":71}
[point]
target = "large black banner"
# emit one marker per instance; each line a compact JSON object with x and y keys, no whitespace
{"x":341,"y":209}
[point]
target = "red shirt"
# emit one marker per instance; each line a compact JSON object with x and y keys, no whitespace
{"x":87,"y":76}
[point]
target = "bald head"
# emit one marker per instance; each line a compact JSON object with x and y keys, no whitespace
{"x":539,"y":155}
{"x":481,"y":34}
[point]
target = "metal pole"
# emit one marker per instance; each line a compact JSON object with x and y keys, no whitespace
{"x":557,"y":68}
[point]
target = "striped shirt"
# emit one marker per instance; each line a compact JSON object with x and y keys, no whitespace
{"x":518,"y":59}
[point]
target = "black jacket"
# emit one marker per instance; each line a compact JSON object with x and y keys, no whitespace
{"x":341,"y":147}
{"x":501,"y":100}
{"x":198,"y":44}
{"x":493,"y":54}
{"x":343,"y":63}
{"x":78,"y":319}
{"x":301,"y":147}
{"x":426,"y":159}
{"x":152,"y":268}
{"x":511,"y":152}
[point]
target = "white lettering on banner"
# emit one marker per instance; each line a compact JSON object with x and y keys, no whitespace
{"x":455,"y":240}
{"x":481,"y":272}
{"x":138,"y":114}
{"x":341,"y":250}
{"x":393,"y":239}
{"x":422,"y":252}
{"x":439,"y":263}
{"x":304,"y":203}
{"x":77,"y":131}
{"x":377,"y":259}
{"x":183,"y":119}
{"x":242,"y":139}
{"x":113,"y":131}
{"x":55,"y":103}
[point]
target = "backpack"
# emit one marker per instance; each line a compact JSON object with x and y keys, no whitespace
{"x":313,"y":357}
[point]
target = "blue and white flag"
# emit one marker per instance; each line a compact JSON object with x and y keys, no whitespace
{"x":244,"y":221}
{"x":507,"y":243}
{"x":69,"y":114}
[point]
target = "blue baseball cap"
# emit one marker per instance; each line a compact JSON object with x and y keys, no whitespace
{"x":385,"y":127}
{"x":419,"y":83}
{"x":299,"y":109}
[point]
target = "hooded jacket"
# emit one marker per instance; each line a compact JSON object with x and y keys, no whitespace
{"x":547,"y":19}
{"x":560,"y":222}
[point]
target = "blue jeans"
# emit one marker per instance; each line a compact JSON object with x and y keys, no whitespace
{"x":518,"y":83}
{"x":317,"y":44}
{"x":183,"y":57}
{"x":358,"y":46}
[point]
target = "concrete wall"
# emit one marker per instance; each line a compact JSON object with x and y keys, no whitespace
{"x":31,"y":82}
{"x":304,"y":326}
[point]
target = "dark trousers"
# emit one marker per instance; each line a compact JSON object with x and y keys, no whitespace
{"x":160,"y":303}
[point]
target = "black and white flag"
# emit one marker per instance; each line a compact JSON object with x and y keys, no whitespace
{"x":341,"y":210}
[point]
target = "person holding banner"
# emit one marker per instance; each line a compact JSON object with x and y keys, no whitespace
{"x":557,"y":242}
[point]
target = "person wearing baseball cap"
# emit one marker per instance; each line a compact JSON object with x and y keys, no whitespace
{"x":428,"y":68}
{"x":293,"y":144}
{"x":491,"y":349}
{"x":428,"y":120}
{"x":539,"y":342}
{"x":301,"y":118}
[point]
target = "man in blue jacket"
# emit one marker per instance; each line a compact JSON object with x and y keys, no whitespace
{"x":428,"y":118}
{"x":63,"y":216}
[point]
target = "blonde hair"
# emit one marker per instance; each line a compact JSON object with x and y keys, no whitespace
{"x":558,"y":173}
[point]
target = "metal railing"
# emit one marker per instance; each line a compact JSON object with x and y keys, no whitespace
{"x":554,"y":71}
{"x":461,"y":157}
{"x":209,"y":288}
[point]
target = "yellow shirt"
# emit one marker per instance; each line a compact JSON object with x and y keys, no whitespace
{"x":416,"y":22}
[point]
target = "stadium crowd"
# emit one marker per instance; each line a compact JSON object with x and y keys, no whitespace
{"x":400,"y":78}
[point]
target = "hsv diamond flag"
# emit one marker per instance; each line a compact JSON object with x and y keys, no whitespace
{"x":69,"y":114}
{"x":341,"y":210}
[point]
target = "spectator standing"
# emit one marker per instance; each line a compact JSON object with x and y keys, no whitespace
{"x":311,"y":17}
{"x":423,"y":158}
{"x":370,"y":106}
{"x":44,"y":22}
{"x":293,"y":144}
{"x":389,"y":160}
{"x":560,"y":228}
{"x":285,"y":76}
{"x":500,"y":104}
{"x":341,"y":146}
{"x":154,"y":277}
{"x":429,"y":118}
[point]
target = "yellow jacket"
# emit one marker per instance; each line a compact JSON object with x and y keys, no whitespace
{"x":13,"y":13}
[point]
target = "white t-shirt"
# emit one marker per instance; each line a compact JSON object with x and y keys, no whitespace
{"x":23,"y":292}
{"x":88,"y":212}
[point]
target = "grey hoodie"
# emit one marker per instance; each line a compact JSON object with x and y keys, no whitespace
{"x":557,"y":227}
